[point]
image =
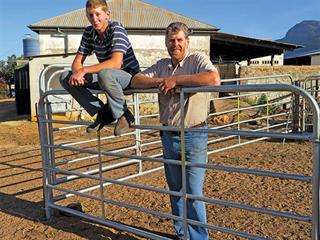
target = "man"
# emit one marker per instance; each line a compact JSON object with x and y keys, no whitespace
{"x":117,"y":64}
{"x":182,"y":69}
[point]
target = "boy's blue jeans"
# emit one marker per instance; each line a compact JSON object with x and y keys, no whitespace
{"x":195,"y":152}
{"x":111,"y":81}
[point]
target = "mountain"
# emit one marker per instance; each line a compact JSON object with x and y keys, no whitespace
{"x":305,"y":33}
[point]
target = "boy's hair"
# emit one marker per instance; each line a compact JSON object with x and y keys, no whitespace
{"x":177,"y":27}
{"x":96,"y":4}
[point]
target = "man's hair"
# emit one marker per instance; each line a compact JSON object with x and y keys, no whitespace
{"x":96,"y":4}
{"x":177,"y":27}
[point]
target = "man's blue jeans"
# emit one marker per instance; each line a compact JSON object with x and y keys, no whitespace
{"x":111,"y":81}
{"x":195,"y":152}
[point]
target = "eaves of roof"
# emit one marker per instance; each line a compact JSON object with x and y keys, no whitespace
{"x":225,"y":37}
{"x":303,"y":54}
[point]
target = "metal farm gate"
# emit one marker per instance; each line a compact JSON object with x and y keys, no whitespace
{"x":84,"y":167}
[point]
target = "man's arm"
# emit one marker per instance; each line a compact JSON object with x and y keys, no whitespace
{"x":200,"y":79}
{"x":142,"y":81}
{"x":77,"y":78}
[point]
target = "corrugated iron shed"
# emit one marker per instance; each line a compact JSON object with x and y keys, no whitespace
{"x":231,"y":47}
{"x":133,"y":14}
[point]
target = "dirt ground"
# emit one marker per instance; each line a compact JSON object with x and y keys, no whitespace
{"x":21,"y":196}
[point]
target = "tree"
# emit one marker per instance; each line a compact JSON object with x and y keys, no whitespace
{"x":7,"y":68}
{"x":7,"y":71}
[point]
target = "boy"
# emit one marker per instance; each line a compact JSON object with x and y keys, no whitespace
{"x":117,"y":65}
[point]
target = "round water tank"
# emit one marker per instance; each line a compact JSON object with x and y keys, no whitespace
{"x":31,"y":46}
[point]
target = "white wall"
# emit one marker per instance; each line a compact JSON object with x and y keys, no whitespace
{"x":151,"y":48}
{"x":315,"y":60}
{"x":53,"y":43}
{"x":148,"y":48}
{"x":265,"y":61}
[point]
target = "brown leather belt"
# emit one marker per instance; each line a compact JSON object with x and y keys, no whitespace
{"x":200,"y":125}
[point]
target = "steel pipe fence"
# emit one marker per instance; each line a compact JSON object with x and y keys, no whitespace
{"x":50,"y":167}
{"x":57,"y":172}
{"x":314,"y":138}
{"x":235,"y":112}
{"x":312,"y":85}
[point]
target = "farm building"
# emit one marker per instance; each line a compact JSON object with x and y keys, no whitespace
{"x":59,"y":38}
{"x":309,"y":58}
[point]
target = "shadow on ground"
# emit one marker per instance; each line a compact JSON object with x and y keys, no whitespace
{"x":21,"y":197}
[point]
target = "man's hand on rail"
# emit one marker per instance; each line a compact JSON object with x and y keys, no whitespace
{"x":167,"y":84}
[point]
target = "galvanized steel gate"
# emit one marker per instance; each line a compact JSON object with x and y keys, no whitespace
{"x":53,"y":182}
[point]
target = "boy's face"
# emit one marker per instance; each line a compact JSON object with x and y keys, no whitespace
{"x":98,"y":18}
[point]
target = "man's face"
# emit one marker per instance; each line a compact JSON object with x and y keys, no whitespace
{"x":177,"y":44}
{"x":98,"y":18}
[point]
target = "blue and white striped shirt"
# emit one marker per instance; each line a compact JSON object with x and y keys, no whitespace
{"x":115,"y":40}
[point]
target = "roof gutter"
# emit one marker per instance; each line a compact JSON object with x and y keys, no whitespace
{"x":37,"y":29}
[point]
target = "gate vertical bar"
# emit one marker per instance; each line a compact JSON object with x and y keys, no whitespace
{"x":137,"y":131}
{"x":51,"y":141}
{"x":46,"y":178}
{"x":303,"y":109}
{"x":238,"y":113}
{"x":103,"y":212}
{"x":183,"y":166}
{"x":316,"y":176}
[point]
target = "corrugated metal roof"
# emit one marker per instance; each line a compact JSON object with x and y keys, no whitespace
{"x":133,"y":14}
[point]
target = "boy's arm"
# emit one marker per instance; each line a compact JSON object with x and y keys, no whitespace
{"x":115,"y":62}
{"x":77,"y":78}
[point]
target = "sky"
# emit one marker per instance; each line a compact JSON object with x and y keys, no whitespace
{"x":266,"y":19}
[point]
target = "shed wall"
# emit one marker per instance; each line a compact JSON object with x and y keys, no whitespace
{"x":315,"y":60}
